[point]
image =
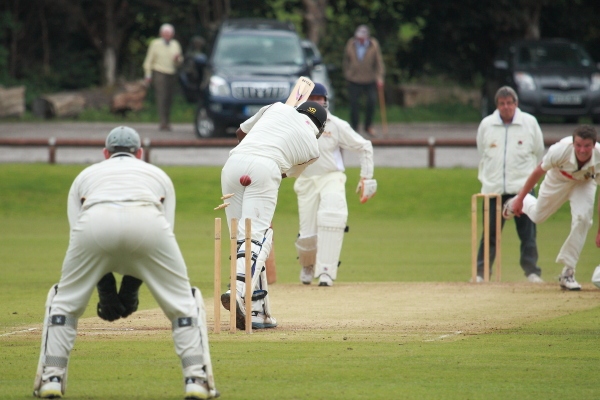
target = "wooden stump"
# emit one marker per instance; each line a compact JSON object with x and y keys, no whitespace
{"x":12,"y":101}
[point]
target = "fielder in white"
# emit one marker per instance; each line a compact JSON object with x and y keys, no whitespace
{"x":121,"y":212}
{"x":276,"y":142}
{"x":321,"y":191}
{"x":571,"y":167}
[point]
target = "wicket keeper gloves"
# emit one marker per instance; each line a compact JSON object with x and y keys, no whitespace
{"x":366,"y":189}
{"x":128,"y":294}
{"x":109,"y":306}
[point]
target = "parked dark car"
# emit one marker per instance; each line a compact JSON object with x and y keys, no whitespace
{"x":553,"y":77}
{"x":253,"y":62}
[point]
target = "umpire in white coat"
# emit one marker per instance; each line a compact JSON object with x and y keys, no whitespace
{"x":122,"y":212}
{"x":321,"y":190}
{"x":511,"y":145}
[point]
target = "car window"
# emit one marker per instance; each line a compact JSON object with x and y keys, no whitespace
{"x":552,"y":55}
{"x":257,"y":50}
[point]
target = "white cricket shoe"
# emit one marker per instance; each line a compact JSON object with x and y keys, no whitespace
{"x":507,"y":211}
{"x":534,"y":278}
{"x":307,"y":274}
{"x":196,"y":389}
{"x":51,"y":389}
{"x":567,"y":279}
{"x":479,"y":279}
{"x":262,"y":321}
{"x":325,"y":280}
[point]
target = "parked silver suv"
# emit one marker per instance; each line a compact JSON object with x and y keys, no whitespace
{"x":554,"y":77}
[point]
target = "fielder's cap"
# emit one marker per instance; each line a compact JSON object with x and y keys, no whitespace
{"x":362,"y":32}
{"x":123,"y":136}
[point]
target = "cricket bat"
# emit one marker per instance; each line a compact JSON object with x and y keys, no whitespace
{"x":300,"y":92}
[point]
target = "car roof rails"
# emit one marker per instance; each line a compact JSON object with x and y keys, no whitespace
{"x":258,"y":24}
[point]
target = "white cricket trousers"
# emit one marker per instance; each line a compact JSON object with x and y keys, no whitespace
{"x":131,"y":239}
{"x":256,"y":201}
{"x":552,"y":195}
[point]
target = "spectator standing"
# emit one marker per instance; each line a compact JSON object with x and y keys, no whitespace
{"x":160,"y":67}
{"x":511,"y":145}
{"x":364,"y":72}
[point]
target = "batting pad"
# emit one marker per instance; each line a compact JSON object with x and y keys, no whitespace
{"x":307,"y":250}
{"x":57,"y":365}
{"x":204,"y":339}
{"x":330,"y":238}
{"x":596,"y":277}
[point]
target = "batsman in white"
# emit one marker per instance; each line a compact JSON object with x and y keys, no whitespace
{"x":276,"y":142}
{"x":571,"y":167}
{"x":321,"y":191}
{"x":121,"y":212}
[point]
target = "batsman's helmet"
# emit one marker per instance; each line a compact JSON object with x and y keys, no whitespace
{"x":316,"y":113}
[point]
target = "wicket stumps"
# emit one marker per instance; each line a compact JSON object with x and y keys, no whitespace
{"x":233,"y":275}
{"x":486,"y":236}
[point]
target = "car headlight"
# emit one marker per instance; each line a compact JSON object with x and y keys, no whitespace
{"x":218,"y":87}
{"x":524,"y":81}
{"x":595,"y":81}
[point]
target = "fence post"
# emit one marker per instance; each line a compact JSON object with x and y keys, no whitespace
{"x":431,"y":152}
{"x":52,"y":150}
{"x":146,"y":147}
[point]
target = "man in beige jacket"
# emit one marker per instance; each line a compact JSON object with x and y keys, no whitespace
{"x":364,"y":71}
{"x":160,"y":68}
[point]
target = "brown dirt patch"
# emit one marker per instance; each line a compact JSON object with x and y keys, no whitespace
{"x":430,"y":308}
{"x":425,"y":311}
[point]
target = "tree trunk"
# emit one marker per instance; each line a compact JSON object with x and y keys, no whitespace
{"x":532,"y":21}
{"x":314,"y":19}
{"x":110,"y":66}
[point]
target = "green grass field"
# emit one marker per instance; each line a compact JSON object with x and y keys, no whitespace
{"x":415,"y":230}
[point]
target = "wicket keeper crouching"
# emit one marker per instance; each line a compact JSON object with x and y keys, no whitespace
{"x":121,"y":212}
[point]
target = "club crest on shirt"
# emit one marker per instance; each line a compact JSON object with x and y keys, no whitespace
{"x":589,"y":175}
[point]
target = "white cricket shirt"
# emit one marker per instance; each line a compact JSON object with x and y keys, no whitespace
{"x":121,"y":179}
{"x":339,"y":135}
{"x":280,"y":133}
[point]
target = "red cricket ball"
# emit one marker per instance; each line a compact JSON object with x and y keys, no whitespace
{"x":245,"y":180}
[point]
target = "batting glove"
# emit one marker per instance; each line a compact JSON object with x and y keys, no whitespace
{"x":366,"y":189}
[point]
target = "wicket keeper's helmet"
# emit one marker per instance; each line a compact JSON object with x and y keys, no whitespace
{"x":316,"y":113}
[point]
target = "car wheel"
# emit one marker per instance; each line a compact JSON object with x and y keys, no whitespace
{"x":204,"y":126}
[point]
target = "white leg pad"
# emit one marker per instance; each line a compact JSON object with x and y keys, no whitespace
{"x":261,"y":253}
{"x":50,"y":364}
{"x":331,"y":223}
{"x":307,"y":250}
{"x":204,"y":340}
